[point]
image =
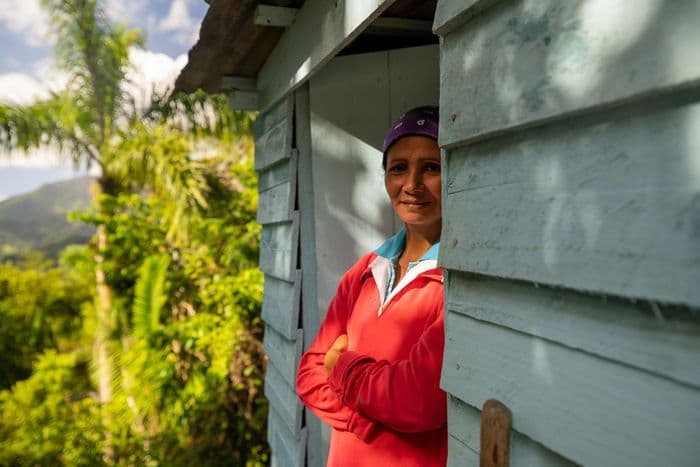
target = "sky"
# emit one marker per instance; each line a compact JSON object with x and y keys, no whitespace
{"x":171,"y":28}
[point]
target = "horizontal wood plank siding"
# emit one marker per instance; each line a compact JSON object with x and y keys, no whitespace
{"x":460,"y":455}
{"x":571,"y":190}
{"x":665,"y":341}
{"x":280,"y":308}
{"x":530,"y":61}
{"x":278,"y":249}
{"x":592,"y":410}
{"x":273,"y":146}
{"x":276,"y":204}
{"x":276,"y":175}
{"x":287,"y":449}
{"x":284,"y":353}
{"x":276,"y":163}
{"x":464,"y":423}
{"x":281,"y":112}
{"x":283,"y":399}
{"x":605,"y":206}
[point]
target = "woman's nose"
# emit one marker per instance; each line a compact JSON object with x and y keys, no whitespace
{"x":414,"y":181}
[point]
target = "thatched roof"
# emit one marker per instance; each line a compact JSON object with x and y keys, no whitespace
{"x":231,"y":44}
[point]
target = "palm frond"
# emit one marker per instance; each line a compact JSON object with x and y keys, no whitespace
{"x":150,"y":295}
{"x":96,"y":56}
{"x":54,"y":122}
{"x":160,"y":159}
{"x":199,"y":114}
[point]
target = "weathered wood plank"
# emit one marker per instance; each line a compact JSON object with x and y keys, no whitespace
{"x":610,"y":207}
{"x":464,"y":421}
{"x":459,"y":454}
{"x":307,"y":227}
{"x":320,"y":30}
{"x":266,"y":121}
{"x":451,"y":14}
{"x":667,"y":345}
{"x":267,"y":15}
{"x":278,"y":249}
{"x":530,"y":61}
{"x":587,"y":409}
{"x":243,"y":100}
{"x":280,"y":308}
{"x":284,"y":353}
{"x":277,"y":174}
{"x":283,"y":399}
{"x":317,"y":447}
{"x":273,"y":146}
{"x":287,"y":450}
{"x":277,"y":203}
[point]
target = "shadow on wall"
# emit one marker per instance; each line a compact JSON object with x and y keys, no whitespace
{"x":559,"y":172}
{"x":603,"y":203}
{"x":353,"y":214}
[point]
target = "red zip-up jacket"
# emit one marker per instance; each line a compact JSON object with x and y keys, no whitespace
{"x":382,"y":399}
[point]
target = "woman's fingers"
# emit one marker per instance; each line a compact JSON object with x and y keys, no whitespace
{"x":339,"y":346}
{"x":341,"y":343}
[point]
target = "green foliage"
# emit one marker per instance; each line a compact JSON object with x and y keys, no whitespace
{"x":41,"y":308}
{"x":195,"y":384}
{"x":172,"y":317}
{"x":52,"y":417}
{"x":150,"y":295}
{"x":189,"y":363}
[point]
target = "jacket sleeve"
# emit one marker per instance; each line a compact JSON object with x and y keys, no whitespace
{"x":312,"y":378}
{"x":403,"y":395}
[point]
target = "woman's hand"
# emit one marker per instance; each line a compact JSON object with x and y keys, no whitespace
{"x":339,"y":346}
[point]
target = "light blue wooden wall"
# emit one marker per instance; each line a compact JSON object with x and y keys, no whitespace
{"x":571,"y":136}
{"x":276,"y":162}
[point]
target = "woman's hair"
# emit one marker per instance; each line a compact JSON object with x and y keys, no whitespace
{"x":421,"y":121}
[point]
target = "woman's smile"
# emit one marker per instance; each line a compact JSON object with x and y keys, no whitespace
{"x":412,"y":182}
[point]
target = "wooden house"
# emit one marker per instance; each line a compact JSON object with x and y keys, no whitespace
{"x":570,"y":134}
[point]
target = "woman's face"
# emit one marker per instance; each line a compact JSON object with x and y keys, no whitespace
{"x":412,"y":180}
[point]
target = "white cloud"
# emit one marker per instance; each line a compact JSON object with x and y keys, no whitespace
{"x":155,"y":68}
{"x":124,"y":11}
{"x":152,"y":71}
{"x":181,"y":23}
{"x":19,"y":88}
{"x":178,"y":18}
{"x":27,"y":18}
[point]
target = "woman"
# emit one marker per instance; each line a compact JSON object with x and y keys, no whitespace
{"x":373,"y":371}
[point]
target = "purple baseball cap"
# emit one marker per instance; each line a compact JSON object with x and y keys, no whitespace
{"x":422,"y":121}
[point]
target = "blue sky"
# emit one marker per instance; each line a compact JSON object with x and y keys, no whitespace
{"x":171,"y":28}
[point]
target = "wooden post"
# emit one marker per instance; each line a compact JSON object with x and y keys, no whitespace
{"x":495,"y":434}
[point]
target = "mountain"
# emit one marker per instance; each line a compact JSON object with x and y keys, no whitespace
{"x":37,"y":220}
{"x":15,"y":181}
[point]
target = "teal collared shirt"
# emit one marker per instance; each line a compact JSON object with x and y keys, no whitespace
{"x":393,"y":247}
{"x":384,"y":266}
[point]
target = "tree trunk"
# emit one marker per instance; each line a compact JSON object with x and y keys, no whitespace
{"x":103,"y":333}
{"x":104,"y":317}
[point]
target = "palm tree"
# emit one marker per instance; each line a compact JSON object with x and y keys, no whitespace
{"x":96,"y":122}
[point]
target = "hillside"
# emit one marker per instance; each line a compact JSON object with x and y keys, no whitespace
{"x":37,"y":220}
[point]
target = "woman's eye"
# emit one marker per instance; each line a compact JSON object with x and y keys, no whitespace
{"x":398,"y":168}
{"x":433,"y":167}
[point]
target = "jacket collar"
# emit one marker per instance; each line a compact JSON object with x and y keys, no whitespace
{"x":395,"y":245}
